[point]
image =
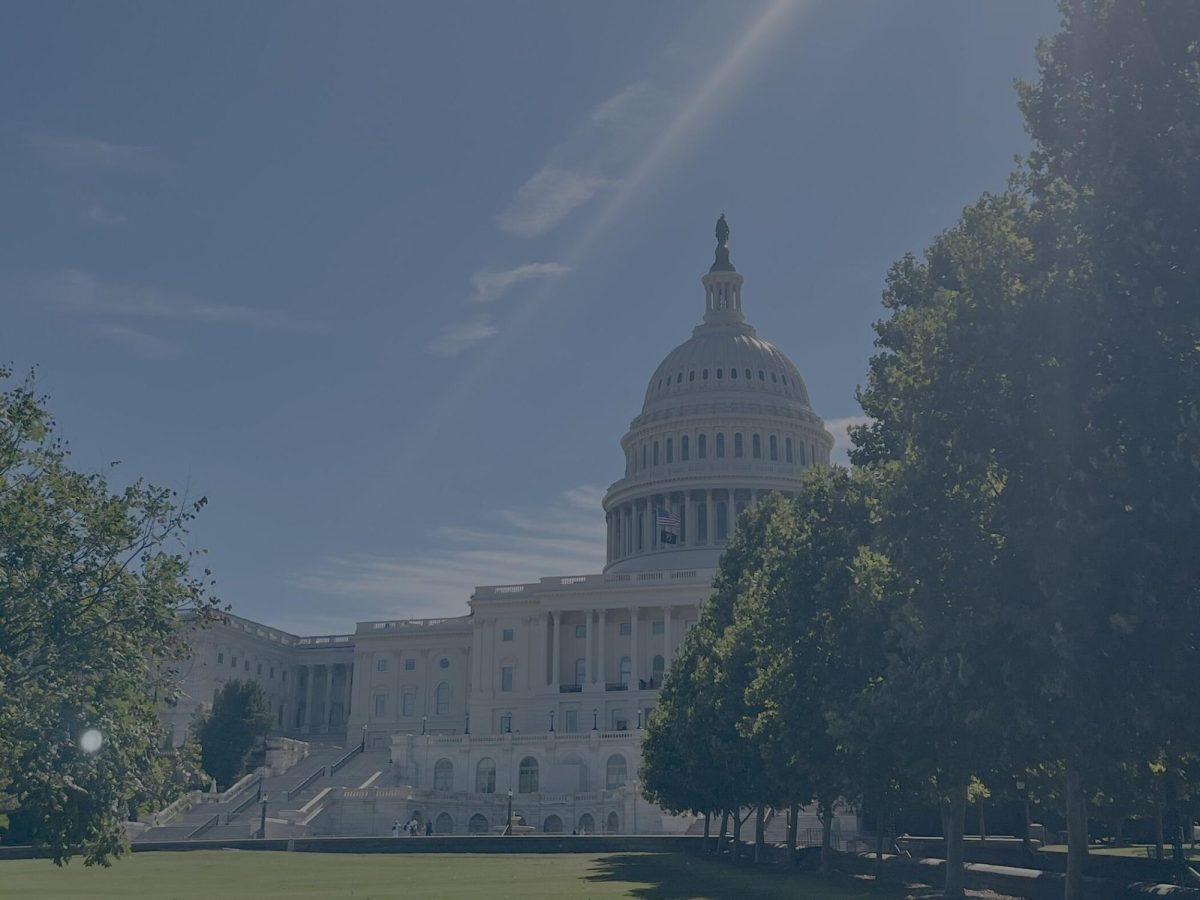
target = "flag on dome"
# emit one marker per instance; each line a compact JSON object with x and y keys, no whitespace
{"x":668,"y":525}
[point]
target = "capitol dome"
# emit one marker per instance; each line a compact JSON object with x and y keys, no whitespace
{"x":726,"y":419}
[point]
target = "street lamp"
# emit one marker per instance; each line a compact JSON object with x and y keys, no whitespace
{"x":508,"y":822}
{"x":552,"y":720}
{"x":262,"y":822}
{"x":364,"y":738}
{"x":639,"y":720}
{"x":595,"y":719}
{"x":423,"y":718}
{"x":467,"y":730}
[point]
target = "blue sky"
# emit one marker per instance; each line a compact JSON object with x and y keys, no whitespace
{"x":386,"y":281}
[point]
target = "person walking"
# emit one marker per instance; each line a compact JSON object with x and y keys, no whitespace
{"x":428,"y":827}
{"x":396,"y":828}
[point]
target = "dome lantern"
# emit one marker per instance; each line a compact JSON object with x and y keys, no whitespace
{"x":722,"y":284}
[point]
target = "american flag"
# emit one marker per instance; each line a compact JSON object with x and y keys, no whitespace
{"x":667,"y":519}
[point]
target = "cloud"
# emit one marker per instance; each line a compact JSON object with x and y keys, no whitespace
{"x":841,"y":438}
{"x":464,"y":335}
{"x":83,"y":152}
{"x":547,"y":198}
{"x":147,"y":345}
{"x":489,"y":286}
{"x":507,"y":546}
{"x":83,"y":293}
{"x":99,"y":215}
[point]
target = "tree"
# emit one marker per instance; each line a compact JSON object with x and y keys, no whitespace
{"x":240,"y":719}
{"x":91,"y":586}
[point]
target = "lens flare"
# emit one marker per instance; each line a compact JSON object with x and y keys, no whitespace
{"x":91,"y":741}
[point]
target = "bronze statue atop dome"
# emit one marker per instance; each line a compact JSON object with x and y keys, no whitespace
{"x":722,"y":263}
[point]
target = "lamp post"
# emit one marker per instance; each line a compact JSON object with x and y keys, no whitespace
{"x":508,"y":821}
{"x":595,"y":719}
{"x":1025,"y":845}
{"x":364,"y":737}
{"x":262,"y":822}
{"x":551,"y":720}
{"x":467,"y":730}
{"x":635,"y":796}
{"x":639,"y":719}
{"x":423,"y":718}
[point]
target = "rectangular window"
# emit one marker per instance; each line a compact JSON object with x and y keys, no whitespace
{"x":272,"y":675}
{"x":259,"y":672}
{"x":658,"y":627}
{"x":508,"y":634}
{"x":381,"y":665}
{"x":409,"y":665}
{"x":220,"y":657}
{"x":626,"y":628}
{"x":283,"y":676}
{"x":380,"y":705}
{"x":410,"y":703}
{"x":720,"y":446}
{"x":580,"y":631}
{"x":506,"y":678}
{"x":570,"y":722}
{"x":670,"y":450}
{"x":702,"y":446}
{"x":683,"y":449}
{"x":506,"y":724}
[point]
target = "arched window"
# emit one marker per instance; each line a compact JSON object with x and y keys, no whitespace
{"x":692,"y":375}
{"x":738,"y":450}
{"x":670,"y":450}
{"x":587,"y":825}
{"x":774,"y":447}
{"x":722,"y":520}
{"x":762,"y":376}
{"x":485,"y":776}
{"x":443,"y":775}
{"x":626,"y":670}
{"x":756,"y":445}
{"x":527,"y":780}
{"x":659,"y":665}
{"x":787,"y":449}
{"x":580,"y":671}
{"x":443,"y":824}
{"x":683,"y":449}
{"x":748,"y":376}
{"x":656,"y":453}
{"x":477,"y":824}
{"x":733,"y":373}
{"x":612,"y":824}
{"x":773,"y":378}
{"x":702,"y":447}
{"x":720,"y":373}
{"x":617,"y":772}
{"x":679,"y":378}
{"x":704,"y":375}
{"x":552,"y":825}
{"x":720,"y":445}
{"x":443,"y":699}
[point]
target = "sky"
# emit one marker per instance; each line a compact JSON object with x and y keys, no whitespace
{"x":385,"y":282}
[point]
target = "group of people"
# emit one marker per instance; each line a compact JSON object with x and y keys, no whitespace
{"x":412,"y":827}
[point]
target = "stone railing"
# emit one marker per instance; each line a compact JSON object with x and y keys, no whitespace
{"x":574,"y":582}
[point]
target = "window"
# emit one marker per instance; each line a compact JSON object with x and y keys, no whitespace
{"x":620,"y":722}
{"x":220,"y":657}
{"x":283,"y":676}
{"x":233,"y":662}
{"x":272,"y":675}
{"x":507,"y":634}
{"x":246,"y":665}
{"x":704,"y":375}
{"x":552,"y":825}
{"x":409,"y":665}
{"x":738,"y":450}
{"x":380,"y":705}
{"x":658,"y":627}
{"x":756,"y":446}
{"x":258,"y":670}
{"x":733,"y":373}
{"x":720,"y":446}
{"x":580,"y":671}
{"x":444,"y":663}
{"x":722,"y":521}
{"x":626,"y":670}
{"x":702,"y":446}
{"x":683,"y":449}
{"x":506,"y":679}
{"x":617,"y":772}
{"x":787,"y":449}
{"x":485,"y":776}
{"x":570,"y":721}
{"x":443,"y":699}
{"x":410,"y":703}
{"x":762,"y":376}
{"x":443,"y":775}
{"x":527,"y":779}
{"x":702,"y":521}
{"x":381,"y":665}
{"x":658,"y":666}
{"x":720,"y":373}
{"x":581,"y":631}
{"x":506,"y":724}
{"x":774,"y":447}
{"x":773,"y":378}
{"x":643,"y":456}
{"x":478,"y":824}
{"x":679,"y":378}
{"x":656,"y":453}
{"x":692,"y":375}
{"x":626,"y":628}
{"x":670,"y":450}
{"x":748,"y":375}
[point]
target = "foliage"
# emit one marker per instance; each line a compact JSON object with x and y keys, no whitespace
{"x":239,"y":720}
{"x":92,"y":583}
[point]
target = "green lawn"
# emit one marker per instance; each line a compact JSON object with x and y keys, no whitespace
{"x":257,"y":875}
{"x":1138,"y":850}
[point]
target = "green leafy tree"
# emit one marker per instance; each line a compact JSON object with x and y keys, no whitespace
{"x":91,"y":586}
{"x":240,"y":719}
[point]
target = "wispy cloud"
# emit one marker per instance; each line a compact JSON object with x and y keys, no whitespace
{"x":92,"y":153}
{"x":547,"y":198}
{"x":462,"y":336}
{"x":100,"y":215}
{"x":492,"y":285}
{"x":508,"y":546}
{"x":839,"y":428}
{"x":141,"y":342}
{"x":84,"y":294}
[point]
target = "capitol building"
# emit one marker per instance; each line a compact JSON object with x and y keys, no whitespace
{"x":542,"y":689}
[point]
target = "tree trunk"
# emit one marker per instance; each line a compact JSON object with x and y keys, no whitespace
{"x":825,"y":812}
{"x":707,"y":826}
{"x":982,"y":824}
{"x":955,"y":818}
{"x":793,"y":832}
{"x":1077,"y":834}
{"x":1158,"y":830}
{"x":880,"y":825}
{"x":737,"y":836}
{"x":760,"y":837}
{"x":724,"y":831}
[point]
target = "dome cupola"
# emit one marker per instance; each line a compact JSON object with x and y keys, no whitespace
{"x":726,"y":419}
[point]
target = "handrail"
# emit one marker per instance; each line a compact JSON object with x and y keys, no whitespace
{"x":305,"y":783}
{"x":353,"y":752}
{"x":204,"y":826}
{"x":251,"y":797}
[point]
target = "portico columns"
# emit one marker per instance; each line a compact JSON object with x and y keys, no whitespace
{"x":588,"y":673}
{"x":710,"y":513}
{"x":667,"y":637}
{"x":601,"y":674}
{"x":556,"y":662}
{"x":633,"y":648}
{"x":308,"y":704}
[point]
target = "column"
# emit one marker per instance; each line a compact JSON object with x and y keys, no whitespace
{"x":308,"y":705}
{"x":556,"y":661}
{"x":668,"y":649}
{"x":476,"y":653}
{"x":601,"y":674}
{"x":710,"y":511}
{"x":653,"y":501}
{"x":589,"y":674}
{"x":633,"y":648}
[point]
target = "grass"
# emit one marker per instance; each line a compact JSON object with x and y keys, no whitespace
{"x":243,"y":875}
{"x":1138,"y":850}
